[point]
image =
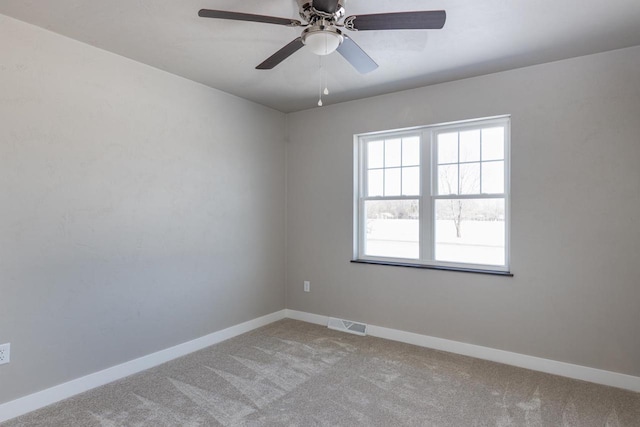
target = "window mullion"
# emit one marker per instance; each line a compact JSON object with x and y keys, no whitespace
{"x":384,"y":167}
{"x":358,"y":233}
{"x":459,"y":189}
{"x":364,"y":169}
{"x":507,"y":192}
{"x":480,"y":161}
{"x":426,"y":203}
{"x":362,"y":191}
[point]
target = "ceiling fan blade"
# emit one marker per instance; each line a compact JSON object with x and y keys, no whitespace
{"x":356,"y":56}
{"x":236,"y":16}
{"x":281,"y":55}
{"x":329,"y":6}
{"x":425,"y":20}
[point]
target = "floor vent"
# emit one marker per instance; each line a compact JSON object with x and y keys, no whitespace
{"x":347,"y":326}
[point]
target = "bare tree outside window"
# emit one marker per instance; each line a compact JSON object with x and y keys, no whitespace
{"x":458,"y":210}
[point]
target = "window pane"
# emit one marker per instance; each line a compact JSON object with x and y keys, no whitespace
{"x":470,"y":146}
{"x":448,"y":148}
{"x":375,"y":154}
{"x":493,"y":144}
{"x":392,"y":229}
{"x":470,"y":231}
{"x":392,"y":152}
{"x":448,"y":179}
{"x":375,"y":183}
{"x":411,"y":181}
{"x":470,"y":178}
{"x":411,"y":151}
{"x":493,"y":177}
{"x":392,"y":182}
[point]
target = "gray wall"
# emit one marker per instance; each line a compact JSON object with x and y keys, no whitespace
{"x":575,"y":209}
{"x":138,"y":210}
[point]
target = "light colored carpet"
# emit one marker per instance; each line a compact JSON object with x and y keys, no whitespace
{"x":292,"y":373}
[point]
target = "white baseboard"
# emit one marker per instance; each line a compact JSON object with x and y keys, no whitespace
{"x":584,"y":373}
{"x":43,"y":398}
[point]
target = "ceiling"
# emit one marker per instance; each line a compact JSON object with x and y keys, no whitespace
{"x":479,"y":37}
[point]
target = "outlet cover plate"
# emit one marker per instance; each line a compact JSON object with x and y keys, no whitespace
{"x":307,"y":286}
{"x":5,"y":353}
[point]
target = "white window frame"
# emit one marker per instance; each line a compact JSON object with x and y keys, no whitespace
{"x":428,"y":194}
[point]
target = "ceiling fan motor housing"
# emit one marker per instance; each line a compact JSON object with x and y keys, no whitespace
{"x":312,"y":15}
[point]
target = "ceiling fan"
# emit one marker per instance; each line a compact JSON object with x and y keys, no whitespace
{"x":323,"y":33}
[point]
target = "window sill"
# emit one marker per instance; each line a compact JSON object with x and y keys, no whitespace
{"x":433,"y":267}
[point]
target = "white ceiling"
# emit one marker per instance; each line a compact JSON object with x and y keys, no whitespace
{"x":479,"y":37}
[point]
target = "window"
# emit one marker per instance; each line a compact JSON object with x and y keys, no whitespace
{"x":435,"y":196}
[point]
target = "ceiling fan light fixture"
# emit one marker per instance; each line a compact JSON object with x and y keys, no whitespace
{"x":322,"y":40}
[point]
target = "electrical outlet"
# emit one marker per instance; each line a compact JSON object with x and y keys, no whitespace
{"x":5,"y":353}
{"x":307,"y":286}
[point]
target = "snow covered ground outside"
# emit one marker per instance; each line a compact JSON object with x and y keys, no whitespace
{"x":481,"y":242}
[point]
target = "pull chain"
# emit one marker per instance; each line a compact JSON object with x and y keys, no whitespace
{"x":320,"y":86}
{"x":326,"y":89}
{"x":323,"y":83}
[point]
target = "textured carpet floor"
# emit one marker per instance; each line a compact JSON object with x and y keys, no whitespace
{"x":297,"y":374}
